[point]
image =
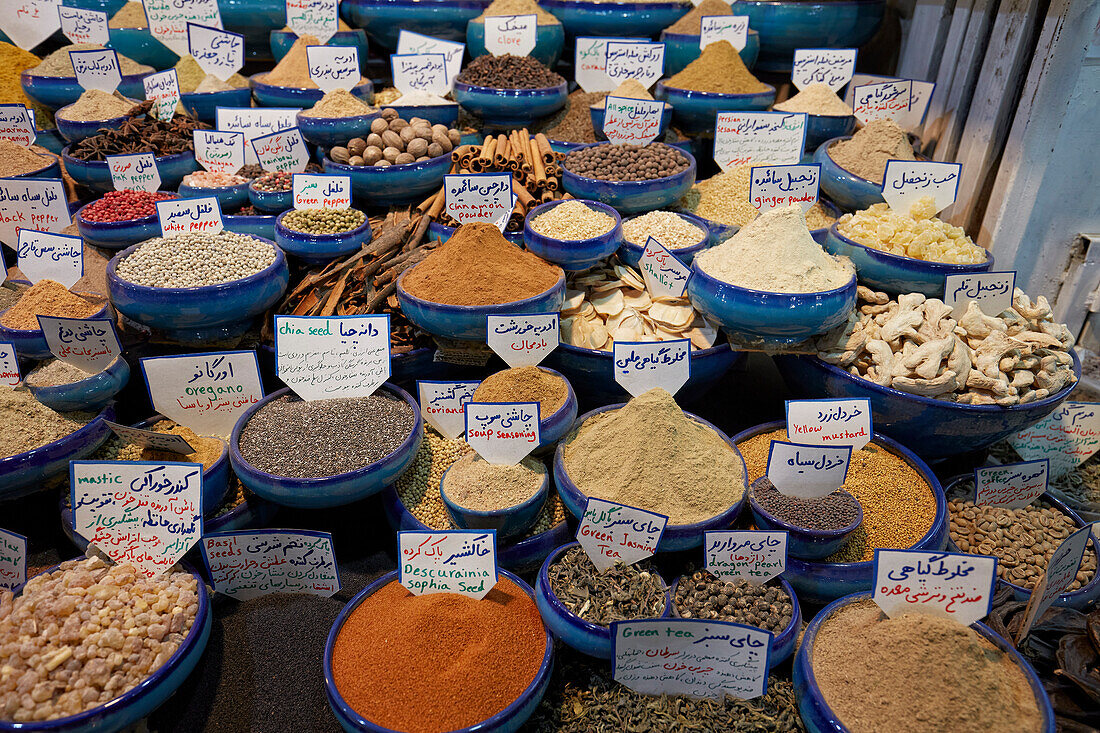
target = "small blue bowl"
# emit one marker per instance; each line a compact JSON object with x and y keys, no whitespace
{"x":683,"y":48}
{"x":270,"y":95}
{"x":58,"y":91}
{"x":818,"y":717}
{"x":326,"y":491}
{"x":820,"y":128}
{"x":316,"y":248}
{"x":467,"y":322}
{"x":631,"y":253}
{"x":436,"y":114}
{"x":116,"y":234}
{"x":695,"y":113}
{"x":204,"y":105}
{"x":383,"y":19}
{"x":510,"y":107}
{"x":274,"y":202}
{"x":775,"y":318}
{"x":51,"y":169}
{"x":554,"y":426}
{"x":631,"y":197}
{"x":329,"y":131}
{"x":508,"y":720}
{"x":598,"y":112}
{"x":441,"y":233}
{"x":508,"y":522}
{"x":281,"y":41}
{"x":230,"y":197}
{"x":805,"y":544}
{"x":30,"y":343}
{"x":573,"y":254}
{"x":393,"y":185}
{"x":549,"y":41}
{"x":96,"y":175}
{"x":618,"y":19}
{"x":584,"y":636}
{"x":257,"y":225}
{"x":89,"y":394}
{"x":75,"y":131}
{"x":254,"y":19}
{"x":50,"y":140}
{"x":935,"y":429}
{"x":847,"y":190}
{"x":141,"y":46}
{"x":676,"y":536}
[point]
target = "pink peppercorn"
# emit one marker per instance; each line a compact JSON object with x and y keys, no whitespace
{"x":124,"y":205}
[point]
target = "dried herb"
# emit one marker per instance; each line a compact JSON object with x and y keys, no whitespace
{"x":141,"y":134}
{"x":620,"y":593}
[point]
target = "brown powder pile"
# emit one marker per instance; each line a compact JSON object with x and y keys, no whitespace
{"x":691,"y":23}
{"x":525,"y":384}
{"x":631,"y":89}
{"x":96,"y":104}
{"x":16,"y":159}
{"x":478,"y":266}
{"x":518,"y":7}
{"x":293,"y":69}
{"x":918,"y":673}
{"x":816,"y":99}
{"x":59,"y":63}
{"x":47,"y":298}
{"x":474,"y":483}
{"x":26,"y":424}
{"x":130,"y":15}
{"x":868,"y":151}
{"x":718,"y":70}
{"x":574,"y":123}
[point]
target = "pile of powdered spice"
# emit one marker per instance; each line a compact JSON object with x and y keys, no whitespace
{"x":868,"y":151}
{"x":59,"y":63}
{"x":724,"y":198}
{"x":193,"y":80}
{"x":54,"y":373}
{"x":96,"y":104}
{"x":574,"y":123}
{"x":293,"y":69}
{"x":518,"y":7}
{"x":525,"y":384}
{"x":691,"y":24}
{"x":339,"y":103}
{"x":47,"y":298}
{"x":816,"y":99}
{"x":474,"y":483}
{"x":17,"y":160}
{"x":26,"y":424}
{"x":207,"y":449}
{"x":718,"y":70}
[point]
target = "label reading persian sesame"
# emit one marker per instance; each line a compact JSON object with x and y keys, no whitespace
{"x":832,"y":67}
{"x":590,"y":62}
{"x":151,"y":438}
{"x":218,"y":53}
{"x":189,"y":216}
{"x":168,"y":20}
{"x":732,"y":28}
{"x":765,"y":138}
{"x":282,"y":151}
{"x":462,"y":561}
{"x":13,"y":560}
{"x":514,"y":34}
{"x":952,"y":585}
{"x":420,"y":72}
{"x":523,"y":339}
{"x":46,"y":256}
{"x":251,"y":563}
{"x":333,"y":67}
{"x":992,"y":291}
{"x":636,"y":121}
{"x":97,"y":69}
{"x":503,"y":433}
{"x":887,"y":100}
{"x":908,"y":181}
{"x":30,"y":22}
{"x":643,"y":62}
{"x":611,"y":533}
{"x":219,"y":152}
{"x":665,"y":276}
{"x":318,"y":18}
{"x":644,"y":365}
{"x":830,"y":422}
{"x":756,"y":557}
{"x":136,"y":172}
{"x":409,"y":43}
{"x":90,"y":344}
{"x":322,"y":357}
{"x":321,"y":192}
{"x":164,"y":89}
{"x":479,"y":197}
{"x":254,"y":122}
{"x":1059,"y":575}
{"x":17,"y":124}
{"x":84,"y":26}
{"x":443,"y":405}
{"x":204,"y":392}
{"x":32,"y":204}
{"x":1068,"y":437}
{"x":777,"y":186}
{"x":918,"y":102}
{"x":1012,"y":485}
{"x":807,"y":471}
{"x":9,"y":365}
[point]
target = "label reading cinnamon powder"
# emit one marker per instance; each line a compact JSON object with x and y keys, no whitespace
{"x":97,"y":69}
{"x":17,"y":124}
{"x":643,"y":365}
{"x":954,"y":585}
{"x":313,"y":18}
{"x":756,"y":557}
{"x":778,"y":186}
{"x":9,"y":365}
{"x":832,"y":67}
{"x":1012,"y":485}
{"x":13,"y":560}
{"x":30,"y":22}
{"x":136,"y":172}
{"x":322,"y":357}
{"x":186,"y":216}
{"x":770,"y":138}
{"x":443,"y":405}
{"x":830,"y":422}
{"x":333,"y":67}
{"x":457,"y":561}
{"x":84,"y":26}
{"x":420,"y":72}
{"x":164,"y":89}
{"x":414,"y":43}
{"x":282,"y":151}
{"x":49,"y":256}
{"x":514,"y":34}
{"x":204,"y":392}
{"x":807,"y":471}
{"x":218,"y":53}
{"x":251,"y":563}
{"x":612,"y":533}
{"x":90,"y":344}
{"x":479,"y":197}
{"x":732,"y":28}
{"x":503,"y":433}
{"x":523,"y":339}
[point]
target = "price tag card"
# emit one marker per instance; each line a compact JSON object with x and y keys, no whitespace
{"x":185,"y":216}
{"x":168,"y":20}
{"x":991,"y":290}
{"x":637,"y":121}
{"x":732,"y":28}
{"x":807,"y":471}
{"x":514,"y":34}
{"x":321,"y":357}
{"x":136,"y":172}
{"x":443,"y":405}
{"x":679,"y":656}
{"x":918,"y":103}
{"x":643,"y":62}
{"x":479,"y":197}
{"x":84,"y":26}
{"x":1060,"y":573}
{"x":663,"y":272}
{"x":409,"y":43}
{"x":830,"y":422}
{"x":333,"y":67}
{"x":13,"y":560}
{"x":282,"y":151}
{"x":255,"y":122}
{"x":32,"y":204}
{"x":1012,"y":485}
{"x":219,"y":152}
{"x":832,"y":67}
{"x":97,"y":69}
{"x":754,"y":556}
{"x":590,"y":62}
{"x":164,"y":89}
{"x":47,"y":256}
{"x":251,"y":563}
{"x":948,"y":584}
{"x":218,"y":53}
{"x":776,"y":186}
{"x":460,"y":561}
{"x":90,"y":344}
{"x":523,"y":339}
{"x":908,"y":181}
{"x":612,"y":533}
{"x":887,"y":100}
{"x":321,"y":192}
{"x":9,"y":365}
{"x":144,"y":513}
{"x":313,"y":18}
{"x":503,"y":433}
{"x":151,"y":438}
{"x":30,"y":22}
{"x":16,"y":124}
{"x":205,"y":392}
{"x":1068,"y":437}
{"x":420,"y":71}
{"x":767,"y":138}
{"x":643,"y":365}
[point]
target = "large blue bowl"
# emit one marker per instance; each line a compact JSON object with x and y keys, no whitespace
{"x":258,"y":225}
{"x":597,"y":112}
{"x":273,"y":202}
{"x":846,"y":189}
{"x":510,"y":107}
{"x":58,"y":91}
{"x":393,"y":185}
{"x":316,"y":248}
{"x":326,"y":491}
{"x":89,"y":394}
{"x":508,"y":522}
{"x":573,"y":254}
{"x":230,"y":197}
{"x":435,"y":114}
{"x":441,"y":233}
{"x":683,"y":48}
{"x":805,"y":544}
{"x":254,"y":19}
{"x":618,"y":19}
{"x":676,"y":536}
{"x":281,"y":41}
{"x":383,"y":19}
{"x":117,"y":234}
{"x":508,"y":720}
{"x":204,"y":105}
{"x":30,"y":343}
{"x":786,"y":25}
{"x":820,"y":128}
{"x":631,"y":253}
{"x":50,"y":140}
{"x":584,"y":636}
{"x":935,"y":429}
{"x":141,"y":46}
{"x":110,"y":7}
{"x":269,"y":95}
{"x":25,"y":473}
{"x":549,"y":41}
{"x":631,"y":197}
{"x":329,"y":131}
{"x":695,"y":113}
{"x":75,"y":131}
{"x":96,"y":175}
{"x":818,"y":717}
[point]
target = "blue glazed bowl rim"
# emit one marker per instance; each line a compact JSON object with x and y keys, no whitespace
{"x":713,"y":96}
{"x":617,"y":6}
{"x":112,"y":369}
{"x":375,"y":170}
{"x":448,"y":105}
{"x":255,"y":81}
{"x":890,"y":258}
{"x":691,"y":169}
{"x":535,"y":212}
{"x":794,"y":528}
{"x":362,"y":723}
{"x":289,"y":233}
{"x":250,"y":218}
{"x":8,"y":461}
{"x":106,"y":226}
{"x":120,"y":119}
{"x":461,"y":86}
{"x":334,"y":121}
{"x":253,"y":190}
{"x":694,"y":219}
{"x":31,"y":332}
{"x":795,"y":298}
{"x":214,"y":190}
{"x":158,"y":159}
{"x":478,"y":309}
{"x":234,"y":90}
{"x":541,"y":22}
{"x":677,"y":36}
{"x":537,"y":498}
{"x":709,"y":351}
{"x":796,"y":615}
{"x":415,"y":3}
{"x":131,"y":78}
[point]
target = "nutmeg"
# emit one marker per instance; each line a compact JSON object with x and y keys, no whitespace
{"x":404,"y":159}
{"x":435,"y":150}
{"x":389,"y":113}
{"x":356,"y":146}
{"x":454,"y":136}
{"x":375,"y":139}
{"x":422,"y":158}
{"x":407,"y":133}
{"x":339,"y":154}
{"x":418,"y":121}
{"x":424,"y":133}
{"x":441,"y":129}
{"x":382,"y":163}
{"x":416,"y":147}
{"x":355,"y":160}
{"x":393,"y":140}
{"x":372,"y":155}
{"x":378,"y":125}
{"x":442,"y":141}
{"x":397,"y":124}
{"x":391,"y":154}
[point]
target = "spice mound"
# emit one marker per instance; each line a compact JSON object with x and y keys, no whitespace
{"x":474,"y":483}
{"x":193,"y":80}
{"x":691,"y":24}
{"x":396,"y":141}
{"x":142,"y":133}
{"x":816,"y":99}
{"x":867,"y":152}
{"x":689,"y":473}
{"x":125,"y":205}
{"x":59,"y":63}
{"x":324,"y":221}
{"x":918,"y":234}
{"x":918,"y":673}
{"x":573,"y":124}
{"x":525,"y":384}
{"x":96,"y":104}
{"x":619,"y":593}
{"x":26,"y":424}
{"x":195,"y":260}
{"x":706,"y":597}
{"x":718,"y":70}
{"x":724,"y":198}
{"x":573,"y":221}
{"x":631,"y":89}
{"x":15,"y":61}
{"x":478,"y":266}
{"x":670,"y":229}
{"x":627,"y":162}
{"x":207,"y":449}
{"x":213,"y":179}
{"x":508,"y":72}
{"x":315,"y":439}
{"x":437,"y":662}
{"x":47,"y":298}
{"x":130,"y":15}
{"x":339,"y":103}
{"x":19,"y":160}
{"x":293,"y":69}
{"x":518,"y":7}
{"x":824,"y":513}
{"x":59,"y":661}
{"x":54,"y":373}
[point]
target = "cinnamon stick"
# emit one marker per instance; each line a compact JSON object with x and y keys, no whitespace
{"x":547,"y":152}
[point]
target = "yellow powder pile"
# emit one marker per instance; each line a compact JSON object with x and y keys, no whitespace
{"x":192,"y":78}
{"x":293,"y":69}
{"x":868,"y":151}
{"x":724,"y":198}
{"x":690,"y":24}
{"x":718,"y":70}
{"x":518,"y":7}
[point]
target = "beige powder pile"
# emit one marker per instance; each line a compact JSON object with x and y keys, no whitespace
{"x":630,"y":89}
{"x":870,"y":148}
{"x":816,"y":99}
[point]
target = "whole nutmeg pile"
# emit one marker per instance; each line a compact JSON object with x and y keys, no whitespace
{"x":627,"y":162}
{"x":394,"y":141}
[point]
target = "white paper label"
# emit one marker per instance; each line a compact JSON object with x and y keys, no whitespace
{"x":643,"y":365}
{"x":1011,"y":485}
{"x":443,"y":405}
{"x":313,"y":18}
{"x":757,"y":557}
{"x":459,"y":561}
{"x":17,"y":124}
{"x":32,"y":204}
{"x":636,"y":121}
{"x":414,"y":43}
{"x":948,"y":584}
{"x":46,"y":256}
{"x":523,"y":339}
{"x":766,"y":138}
{"x":219,"y":53}
{"x":136,"y":172}
{"x":90,"y":344}
{"x":503,"y":433}
{"x":13,"y":560}
{"x":663,"y":272}
{"x":732,"y":28}
{"x":1068,"y":437}
{"x":590,"y":63}
{"x":887,"y":100}
{"x":643,"y":62}
{"x":255,"y":122}
{"x":420,"y":71}
{"x":777,"y":186}
{"x":333,"y":67}
{"x":918,"y":102}
{"x":139,"y":512}
{"x":9,"y":365}
{"x":807,"y":471}
{"x":282,"y":151}
{"x":832,"y":67}
{"x":908,"y":181}
{"x":612,"y":533}
{"x":678,"y":656}
{"x":321,"y":192}
{"x":168,"y":20}
{"x":84,"y":26}
{"x":830,"y":422}
{"x":991,"y":290}
{"x":514,"y":34}
{"x":97,"y":69}
{"x":1060,"y":573}
{"x":322,"y":357}
{"x":164,"y":89}
{"x":219,"y":152}
{"x":186,"y":216}
{"x":204,"y":392}
{"x":479,"y":197}
{"x":30,"y":22}
{"x":252,"y":563}
{"x":151,"y":438}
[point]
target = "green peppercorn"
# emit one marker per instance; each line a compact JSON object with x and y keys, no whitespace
{"x":323,"y":221}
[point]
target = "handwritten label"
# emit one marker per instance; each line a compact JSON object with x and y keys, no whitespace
{"x":32,"y":204}
{"x":523,"y":339}
{"x":333,"y":67}
{"x":139,"y":512}
{"x":218,"y":53}
{"x":458,"y":561}
{"x":732,"y":28}
{"x":84,"y":26}
{"x":168,"y":20}
{"x":807,"y":471}
{"x":643,"y":62}
{"x":420,"y":71}
{"x":677,"y":656}
{"x":908,"y":181}
{"x":9,"y":365}
{"x":514,"y":34}
{"x":887,"y":100}
{"x":17,"y":124}
{"x":443,"y":405}
{"x":479,"y":197}
{"x":205,"y":392}
{"x":282,"y":151}
{"x":643,"y":365}
{"x":97,"y":69}
{"x":321,"y":192}
{"x":136,"y":172}
{"x":219,"y":152}
{"x":321,"y":357}
{"x":949,"y":584}
{"x":47,"y":256}
{"x":992,"y":291}
{"x":1068,"y":437}
{"x":313,"y":18}
{"x":637,"y":121}
{"x":415,"y":44}
{"x":663,"y":272}
{"x":164,"y":89}
{"x":151,"y":438}
{"x":830,"y":422}
{"x":30,"y":22}
{"x":503,"y":433}
{"x":13,"y":560}
{"x":832,"y":67}
{"x":612,"y":533}
{"x":251,"y":563}
{"x":767,"y":138}
{"x":255,"y":122}
{"x":90,"y":344}
{"x":776,"y":186}
{"x":1060,"y":573}
{"x":1012,"y":485}
{"x":185,"y":216}
{"x":918,"y":102}
{"x":590,"y":62}
{"x":754,"y":556}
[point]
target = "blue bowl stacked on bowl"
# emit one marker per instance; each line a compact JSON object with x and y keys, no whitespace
{"x":88,"y":394}
{"x":597,"y":112}
{"x":230,"y":198}
{"x":255,"y":20}
{"x":50,"y":140}
{"x":846,"y":189}
{"x":317,"y":248}
{"x":329,"y":131}
{"x":392,"y":185}
{"x":270,"y":202}
{"x":512,"y":108}
{"x":282,"y":40}
{"x":141,"y":46}
{"x":76,"y":130}
{"x":384,"y":19}
{"x":508,"y":522}
{"x":802,"y":542}
{"x":435,"y":114}
{"x":271,"y":95}
{"x":96,"y":175}
{"x":630,"y":197}
{"x":618,"y":20}
{"x":56,"y":92}
{"x":117,"y":234}
{"x":204,"y":105}
{"x":258,"y":225}
{"x":549,"y":41}
{"x":30,"y":343}
{"x":631,"y":252}
{"x":683,"y":48}
{"x":573,"y":254}
{"x":695,"y":113}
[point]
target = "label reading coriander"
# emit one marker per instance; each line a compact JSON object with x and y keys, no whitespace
{"x":807,"y":471}
{"x":1068,"y":437}
{"x":643,"y":62}
{"x":333,"y":67}
{"x":218,"y":53}
{"x":459,"y":561}
{"x":90,"y":344}
{"x":13,"y":560}
{"x":189,"y":216}
{"x":17,"y":124}
{"x":1012,"y":485}
{"x":49,"y":256}
{"x":321,"y":192}
{"x":832,"y":67}
{"x":164,"y":89}
{"x":503,"y":433}
{"x":756,"y":557}
{"x":610,"y":533}
{"x":643,"y":365}
{"x":949,"y":584}
{"x":321,"y":357}
{"x":282,"y":151}
{"x":204,"y":392}
{"x":443,"y":405}
{"x":9,"y":365}
{"x":830,"y":422}
{"x":420,"y":72}
{"x":151,"y":438}
{"x":409,"y":43}
{"x":136,"y":172}
{"x":313,"y":18}
{"x":251,"y":563}
{"x":777,"y":186}
{"x":97,"y":69}
{"x":523,"y":339}
{"x":765,"y":138}
{"x":514,"y":34}
{"x":84,"y":26}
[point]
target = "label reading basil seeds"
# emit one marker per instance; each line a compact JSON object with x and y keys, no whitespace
{"x":39,"y":204}
{"x":634,"y":121}
{"x":322,"y":357}
{"x":409,"y":43}
{"x":590,"y":62}
{"x":829,"y":422}
{"x":832,"y":67}
{"x":136,"y":172}
{"x":164,"y":90}
{"x":1068,"y":437}
{"x":887,"y":100}
{"x":611,"y":533}
{"x":776,"y":186}
{"x":753,"y":556}
{"x":479,"y":197}
{"x":1012,"y":485}
{"x":420,"y":72}
{"x":992,"y":291}
{"x":443,"y":405}
{"x":523,"y":339}
{"x":514,"y":34}
{"x":908,"y":181}
{"x":84,"y":26}
{"x":321,"y":192}
{"x":644,"y":365}
{"x":218,"y":53}
{"x":9,"y":365}
{"x":90,"y":344}
{"x":643,"y":62}
{"x":459,"y":561}
{"x":30,"y":22}
{"x":807,"y":471}
{"x":219,"y":152}
{"x":732,"y":28}
{"x":949,"y":584}
{"x":503,"y":433}
{"x":767,"y":138}
{"x":663,"y":272}
{"x":313,"y":18}
{"x":151,"y":438}
{"x":204,"y":392}
{"x":13,"y":560}
{"x":17,"y":124}
{"x":1060,"y":573}
{"x":333,"y":67}
{"x":282,"y":151}
{"x":168,"y":20}
{"x":251,"y":563}
{"x":189,"y":216}
{"x":255,"y":122}
{"x":97,"y":69}
{"x":48,"y":256}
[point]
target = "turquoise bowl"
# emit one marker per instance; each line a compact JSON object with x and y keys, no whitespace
{"x":510,"y":107}
{"x":75,"y":131}
{"x":329,"y":131}
{"x":269,"y":95}
{"x":116,"y":234}
{"x":598,"y":113}
{"x":316,"y":248}
{"x":140,"y":45}
{"x":96,"y":175}
{"x":110,"y":7}
{"x":89,"y":394}
{"x":30,"y":343}
{"x":549,"y":41}
{"x":508,"y":522}
{"x":631,"y":197}
{"x":59,"y":91}
{"x":573,"y":254}
{"x":631,"y":253}
{"x":281,"y":41}
{"x":441,"y":233}
{"x":254,"y":19}
{"x":683,"y":48}
{"x":436,"y":114}
{"x":258,"y":225}
{"x":50,"y":140}
{"x":230,"y":197}
{"x":384,"y":19}
{"x":273,"y":202}
{"x":695,"y":113}
{"x":393,"y":184}
{"x":618,"y":19}
{"x":26,"y":473}
{"x":204,"y":105}
{"x":820,"y":128}
{"x":846,"y":189}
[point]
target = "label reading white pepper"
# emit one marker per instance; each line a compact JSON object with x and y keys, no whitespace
{"x":189,"y":216}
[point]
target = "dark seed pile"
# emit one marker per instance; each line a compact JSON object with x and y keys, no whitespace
{"x":627,"y":162}
{"x":620,"y":593}
{"x":508,"y":72}
{"x":835,"y":511}
{"x":704,"y":596}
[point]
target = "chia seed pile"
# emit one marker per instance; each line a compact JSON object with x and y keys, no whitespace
{"x":195,"y":260}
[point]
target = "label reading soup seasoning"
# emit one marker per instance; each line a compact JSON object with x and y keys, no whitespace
{"x":612,"y":533}
{"x":807,"y":471}
{"x":523,"y":339}
{"x":322,"y":357}
{"x":1012,"y":485}
{"x":188,"y":216}
{"x":252,"y":563}
{"x":503,"y":433}
{"x":136,"y":172}
{"x":90,"y":344}
{"x":49,"y":256}
{"x":642,"y":366}
{"x":830,"y":422}
{"x":443,"y":405}
{"x":949,"y":584}
{"x":458,"y":561}
{"x":767,"y":138}
{"x":13,"y":560}
{"x":756,"y":557}
{"x":204,"y":392}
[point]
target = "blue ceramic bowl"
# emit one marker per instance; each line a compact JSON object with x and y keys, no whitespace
{"x":683,"y":48}
{"x":281,"y":41}
{"x":896,"y":274}
{"x":598,"y":112}
{"x":255,"y":224}
{"x":97,"y":176}
{"x":508,"y":522}
{"x":631,"y":197}
{"x":116,"y":234}
{"x":560,"y":146}
{"x":676,"y":536}
{"x":269,"y":95}
{"x":573,"y":254}
{"x":50,"y":140}
{"x":510,"y":107}
{"x":329,"y":131}
{"x":89,"y":394}
{"x":695,"y":113}
{"x":820,"y":128}
{"x":508,"y":720}
{"x":393,"y":185}
{"x":775,"y":318}
{"x":436,"y":114}
{"x":315,"y":248}
{"x":935,"y":429}
{"x":631,"y":253}
{"x":818,"y":717}
{"x":230,"y":197}
{"x":56,"y":92}
{"x":383,"y":19}
{"x":215,"y":480}
{"x":554,"y":426}
{"x":27,"y":472}
{"x":204,"y":105}
{"x":549,"y":41}
{"x":254,"y":19}
{"x":110,"y":7}
{"x":274,"y":202}
{"x":467,"y":322}
{"x":786,"y":25}
{"x":140,"y":45}
{"x":847,"y":190}
{"x":618,"y":19}
{"x":441,"y":233}
{"x":51,"y":169}
{"x":805,"y":544}
{"x":30,"y":343}
{"x":584,"y":636}
{"x":326,"y":491}
{"x":75,"y":131}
